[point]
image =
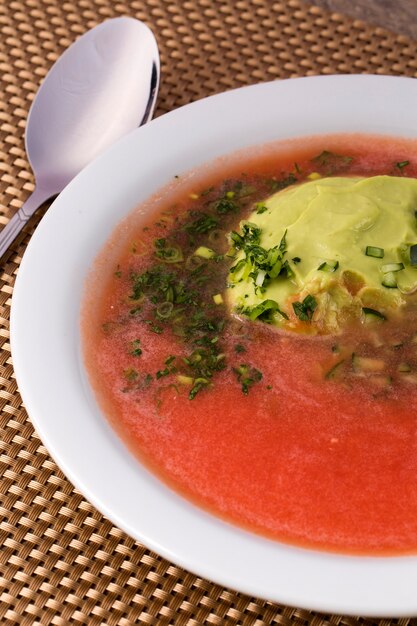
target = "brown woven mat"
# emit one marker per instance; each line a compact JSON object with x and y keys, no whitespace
{"x":61,"y":561}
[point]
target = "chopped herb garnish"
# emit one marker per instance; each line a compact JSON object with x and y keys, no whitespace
{"x":332,"y":162}
{"x":225,"y":205}
{"x":283,"y":183}
{"x":168,"y":369}
{"x":247,"y":376}
{"x":204,"y":252}
{"x":304,"y":310}
{"x":296,"y":259}
{"x":198,"y":385}
{"x":169,"y":253}
{"x":164,"y":310}
{"x":239,"y":348}
{"x":135,"y":349}
{"x":402,"y":164}
{"x":203,"y":224}
{"x":260,"y":264}
{"x":156,"y":329}
{"x":251,"y":235}
{"x":264,"y":312}
{"x":244,"y":190}
{"x":261,"y":207}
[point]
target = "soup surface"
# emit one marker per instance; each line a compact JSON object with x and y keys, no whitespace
{"x":302,"y":432}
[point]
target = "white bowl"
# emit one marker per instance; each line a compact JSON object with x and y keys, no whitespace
{"x":45,"y":339}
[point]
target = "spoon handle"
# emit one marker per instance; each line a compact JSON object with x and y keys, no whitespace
{"x":17,"y":222}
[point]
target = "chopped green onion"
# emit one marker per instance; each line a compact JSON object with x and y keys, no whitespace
{"x":185,"y":380}
{"x":392,"y":267}
{"x":169,"y":253}
{"x":199,"y":383}
{"x":402,"y":164}
{"x":377,"y":253}
{"x":217,"y":235}
{"x":260,"y":278}
{"x":264,"y":311}
{"x":247,"y":376}
{"x":329,"y":266}
{"x":164,"y":309}
{"x":204,"y":252}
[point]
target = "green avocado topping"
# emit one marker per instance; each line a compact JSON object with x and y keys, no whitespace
{"x":349,"y":243}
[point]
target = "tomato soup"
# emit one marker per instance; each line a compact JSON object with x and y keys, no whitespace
{"x":306,"y":438}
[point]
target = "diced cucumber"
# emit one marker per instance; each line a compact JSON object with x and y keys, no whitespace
{"x":389,"y":280}
{"x":373,"y":313}
{"x":335,"y":371}
{"x":377,"y":253}
{"x":329,"y":266}
{"x":409,"y":378}
{"x":392,"y":267}
{"x":363,"y":364}
{"x":404,"y":367}
{"x":381,"y":381}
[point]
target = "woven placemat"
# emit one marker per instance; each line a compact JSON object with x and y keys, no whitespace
{"x":61,"y":561}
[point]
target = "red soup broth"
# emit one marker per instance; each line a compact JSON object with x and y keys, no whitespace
{"x":293,"y":456}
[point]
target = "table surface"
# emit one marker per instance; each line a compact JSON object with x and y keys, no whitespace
{"x":400,"y":16}
{"x":62,"y":562}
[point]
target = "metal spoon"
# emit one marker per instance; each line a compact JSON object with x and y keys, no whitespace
{"x":102,"y":87}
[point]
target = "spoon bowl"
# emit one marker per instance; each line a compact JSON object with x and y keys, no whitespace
{"x":102,"y":87}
